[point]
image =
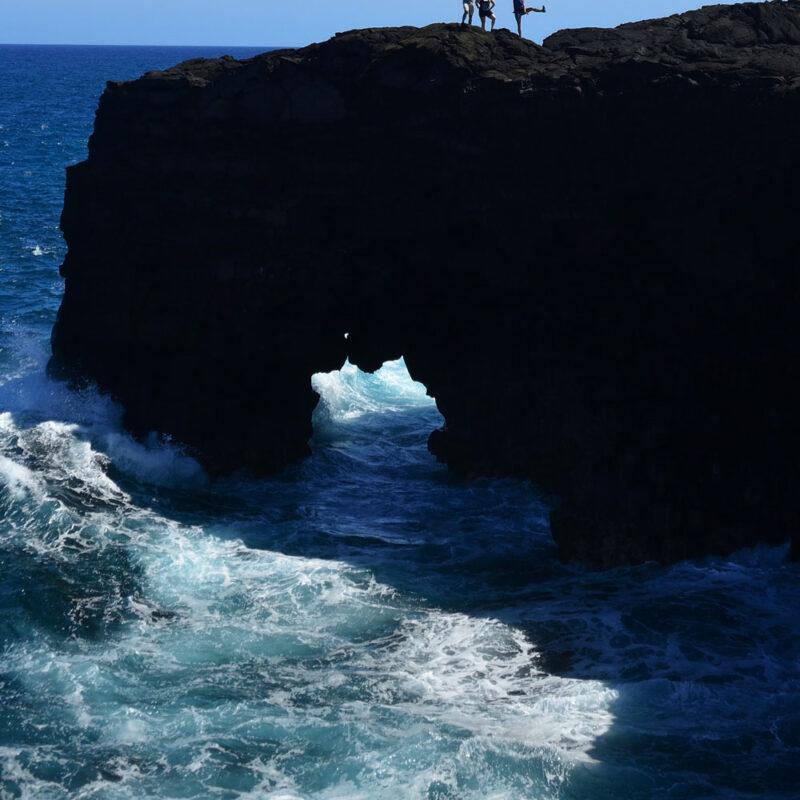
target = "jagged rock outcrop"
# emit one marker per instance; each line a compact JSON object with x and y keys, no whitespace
{"x":587,"y":251}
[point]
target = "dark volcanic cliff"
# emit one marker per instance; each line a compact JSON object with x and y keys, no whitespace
{"x":587,"y":251}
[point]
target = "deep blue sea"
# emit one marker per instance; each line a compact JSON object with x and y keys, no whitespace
{"x":363,"y":625}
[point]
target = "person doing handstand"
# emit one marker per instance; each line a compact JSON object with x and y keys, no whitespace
{"x":485,"y":9}
{"x":520,"y":11}
{"x":469,"y":11}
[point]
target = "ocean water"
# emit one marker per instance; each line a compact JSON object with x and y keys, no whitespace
{"x":363,"y":625}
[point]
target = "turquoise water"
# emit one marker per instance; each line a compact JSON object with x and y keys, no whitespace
{"x":363,"y":625}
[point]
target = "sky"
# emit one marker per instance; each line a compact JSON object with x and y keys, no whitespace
{"x":287,"y":23}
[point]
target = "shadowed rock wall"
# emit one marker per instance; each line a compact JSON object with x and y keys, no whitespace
{"x":587,"y":251}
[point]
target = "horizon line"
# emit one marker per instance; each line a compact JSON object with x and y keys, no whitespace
{"x":96,"y":44}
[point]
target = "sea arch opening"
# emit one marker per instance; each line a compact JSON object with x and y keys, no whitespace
{"x":382,"y":403}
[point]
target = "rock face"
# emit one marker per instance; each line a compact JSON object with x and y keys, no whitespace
{"x":587,"y":251}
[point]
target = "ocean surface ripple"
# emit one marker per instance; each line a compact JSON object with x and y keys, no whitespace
{"x":363,"y":625}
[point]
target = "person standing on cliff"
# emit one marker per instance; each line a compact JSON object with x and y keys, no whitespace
{"x":521,"y":11}
{"x":486,"y":11}
{"x":469,"y":11}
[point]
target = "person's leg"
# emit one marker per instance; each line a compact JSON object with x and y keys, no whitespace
{"x":494,"y":19}
{"x":483,"y":22}
{"x":519,"y":24}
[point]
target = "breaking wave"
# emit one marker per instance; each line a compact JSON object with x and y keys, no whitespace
{"x":158,"y":657}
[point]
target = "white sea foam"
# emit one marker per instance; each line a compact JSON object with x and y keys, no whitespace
{"x":350,"y":393}
{"x":95,"y":419}
{"x":17,"y":478}
{"x":316,"y":652}
{"x":287,"y":635}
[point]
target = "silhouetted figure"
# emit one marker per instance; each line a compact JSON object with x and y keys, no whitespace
{"x":486,"y":11}
{"x":469,"y":11}
{"x":520,"y":11}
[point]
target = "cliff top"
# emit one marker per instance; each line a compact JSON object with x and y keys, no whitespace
{"x":714,"y":43}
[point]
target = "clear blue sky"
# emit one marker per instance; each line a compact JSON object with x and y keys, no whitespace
{"x":278,"y":22}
